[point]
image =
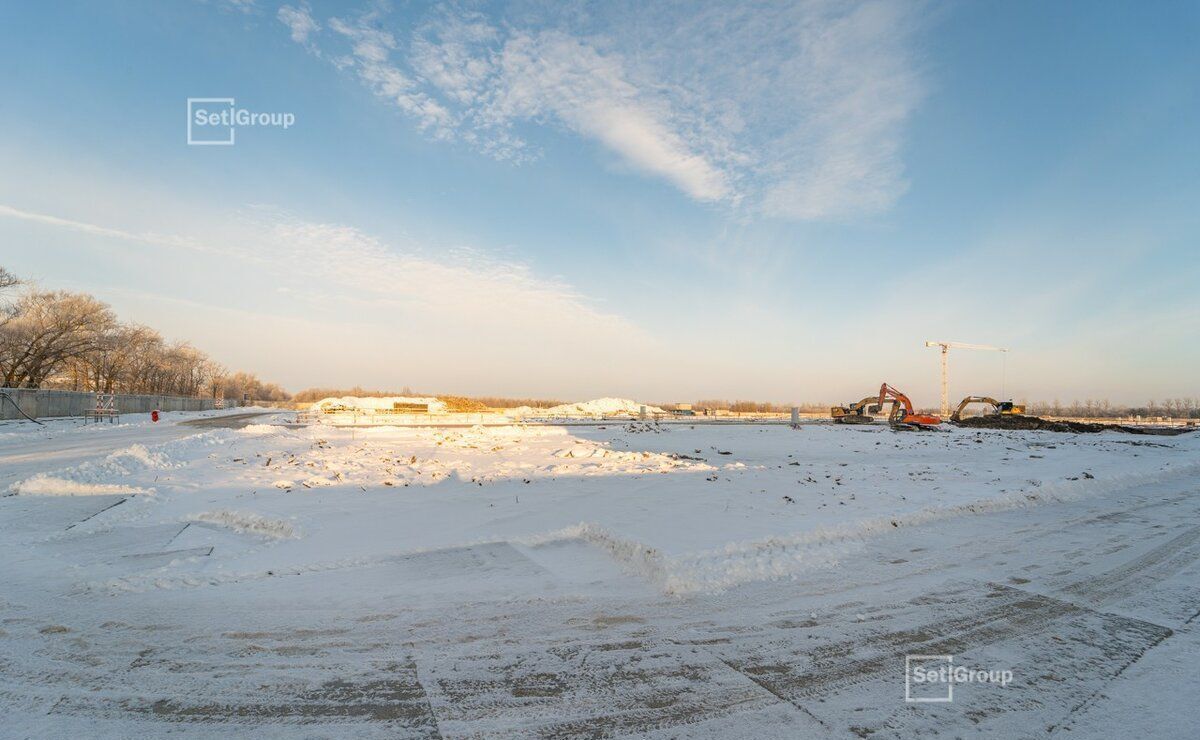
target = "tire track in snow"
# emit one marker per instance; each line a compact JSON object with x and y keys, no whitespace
{"x":1156,"y":564}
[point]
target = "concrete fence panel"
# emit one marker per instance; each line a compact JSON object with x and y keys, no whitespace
{"x":41,"y":403}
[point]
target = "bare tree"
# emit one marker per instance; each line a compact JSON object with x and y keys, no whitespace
{"x":8,"y":281}
{"x":48,"y":330}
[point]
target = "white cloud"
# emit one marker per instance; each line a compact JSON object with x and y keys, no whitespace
{"x":299,"y":21}
{"x":458,"y":293}
{"x":371,"y":51}
{"x":554,"y":74}
{"x":792,"y":109}
{"x":463,"y":287}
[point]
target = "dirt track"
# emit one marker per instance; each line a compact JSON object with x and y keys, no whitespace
{"x":232,"y":421}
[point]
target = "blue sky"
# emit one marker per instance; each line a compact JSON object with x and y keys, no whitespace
{"x":778,"y":201}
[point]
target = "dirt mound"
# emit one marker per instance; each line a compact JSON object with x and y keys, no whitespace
{"x":1036,"y":423}
{"x":460,"y":405}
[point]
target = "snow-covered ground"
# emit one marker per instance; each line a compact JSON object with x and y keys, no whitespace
{"x":599,"y":407}
{"x":728,"y":581}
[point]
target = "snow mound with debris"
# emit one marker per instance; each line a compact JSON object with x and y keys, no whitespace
{"x":102,"y":477}
{"x":601,"y":407}
{"x":245,"y":522}
{"x":385,"y":403}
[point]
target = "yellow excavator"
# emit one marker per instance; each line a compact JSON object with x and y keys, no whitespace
{"x":1002,"y":408}
{"x":857,"y":413}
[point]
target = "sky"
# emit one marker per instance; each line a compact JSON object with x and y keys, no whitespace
{"x":666,"y":201}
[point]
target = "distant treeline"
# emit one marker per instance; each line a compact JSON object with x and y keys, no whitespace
{"x":496,"y":402}
{"x":308,"y":395}
{"x":755,"y":407}
{"x":466,"y":403}
{"x":1178,"y":408}
{"x":61,"y":339}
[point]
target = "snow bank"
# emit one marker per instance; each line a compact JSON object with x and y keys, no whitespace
{"x":386,"y":403}
{"x":48,"y":485}
{"x":96,"y":478}
{"x":600,"y":407}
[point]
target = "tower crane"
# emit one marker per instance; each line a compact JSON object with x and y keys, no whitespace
{"x":945,"y":352}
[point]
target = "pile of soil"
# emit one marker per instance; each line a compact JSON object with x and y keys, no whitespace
{"x":458,"y":404}
{"x":1036,"y":423}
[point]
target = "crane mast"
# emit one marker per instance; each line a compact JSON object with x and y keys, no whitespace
{"x":945,"y":347}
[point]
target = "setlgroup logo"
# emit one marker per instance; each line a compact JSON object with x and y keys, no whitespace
{"x":214,"y":121}
{"x":930,"y":679}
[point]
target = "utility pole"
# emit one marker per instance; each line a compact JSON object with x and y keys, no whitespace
{"x":945,"y":370}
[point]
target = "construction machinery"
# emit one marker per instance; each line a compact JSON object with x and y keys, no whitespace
{"x":857,"y":413}
{"x":1002,"y":408}
{"x":902,"y":415}
{"x":945,"y":370}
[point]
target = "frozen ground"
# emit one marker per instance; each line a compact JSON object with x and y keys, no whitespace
{"x":735,"y":581}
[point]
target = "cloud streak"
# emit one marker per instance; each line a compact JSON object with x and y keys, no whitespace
{"x":456,"y":292}
{"x":789,"y":109}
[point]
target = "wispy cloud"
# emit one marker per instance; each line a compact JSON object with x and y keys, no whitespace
{"x":792,"y":109}
{"x":482,"y":292}
{"x":95,"y":230}
{"x":459,"y":291}
{"x":371,"y":51}
{"x":299,"y":21}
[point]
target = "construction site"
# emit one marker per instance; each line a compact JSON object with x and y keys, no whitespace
{"x":763,"y":370}
{"x":991,"y":412}
{"x":429,"y":566}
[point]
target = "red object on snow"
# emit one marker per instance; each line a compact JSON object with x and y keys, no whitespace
{"x":154,"y":415}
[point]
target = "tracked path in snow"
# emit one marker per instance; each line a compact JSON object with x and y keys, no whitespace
{"x":1090,"y":604}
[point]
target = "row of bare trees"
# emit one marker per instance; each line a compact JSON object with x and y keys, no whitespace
{"x":756,"y":407}
{"x":1178,"y":408}
{"x":59,"y":339}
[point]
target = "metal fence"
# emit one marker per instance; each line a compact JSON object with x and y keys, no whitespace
{"x":44,"y":402}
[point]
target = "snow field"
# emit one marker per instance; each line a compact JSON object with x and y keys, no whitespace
{"x":685,"y":509}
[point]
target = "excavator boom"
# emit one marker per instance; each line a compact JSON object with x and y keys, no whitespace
{"x":902,"y":410}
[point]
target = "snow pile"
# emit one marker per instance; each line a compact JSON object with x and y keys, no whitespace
{"x":96,"y":478}
{"x":88,"y":479}
{"x":247,"y":523}
{"x":49,"y":485}
{"x":382,"y":458}
{"x":386,"y":403}
{"x":600,"y":407}
{"x":259,"y":430}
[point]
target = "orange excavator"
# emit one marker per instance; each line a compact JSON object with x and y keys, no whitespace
{"x":902,"y":415}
